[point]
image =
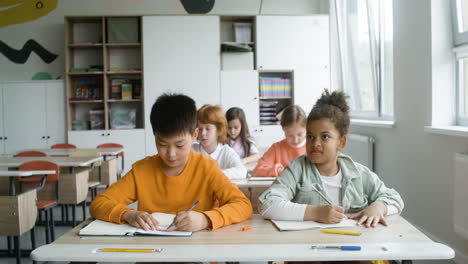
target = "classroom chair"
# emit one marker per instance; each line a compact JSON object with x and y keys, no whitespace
{"x":115,"y":145}
{"x":63,"y":146}
{"x":44,"y":205}
{"x":31,"y":153}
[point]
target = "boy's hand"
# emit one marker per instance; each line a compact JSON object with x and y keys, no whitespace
{"x":140,"y":219}
{"x":372,"y":215}
{"x":191,"y":221}
{"x":328,"y":214}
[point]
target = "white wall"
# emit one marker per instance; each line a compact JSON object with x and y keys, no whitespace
{"x":418,"y":164}
{"x":48,"y":30}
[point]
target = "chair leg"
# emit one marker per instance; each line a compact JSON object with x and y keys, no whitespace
{"x":62,"y":206}
{"x":46,"y":215}
{"x":84,"y":210}
{"x":66,"y":214}
{"x":9,"y":245}
{"x":74,"y":215}
{"x":33,"y":238}
{"x":17,"y":249}
{"x":52,"y":225}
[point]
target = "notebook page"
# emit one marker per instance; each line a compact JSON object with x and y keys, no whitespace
{"x":301,"y":225}
{"x":98,"y":227}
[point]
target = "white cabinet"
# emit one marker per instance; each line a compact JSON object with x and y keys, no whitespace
{"x":300,"y":44}
{"x":240,"y":89}
{"x":265,"y":136}
{"x":33,"y":115}
{"x":181,"y":54}
{"x":133,"y":141}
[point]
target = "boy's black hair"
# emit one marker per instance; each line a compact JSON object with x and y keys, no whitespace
{"x":334,"y":107}
{"x":173,"y":114}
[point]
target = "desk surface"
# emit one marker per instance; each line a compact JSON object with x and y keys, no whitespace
{"x":262,"y":243}
{"x":61,"y":161}
{"x":247,"y":183}
{"x":102,"y":151}
{"x":25,"y":173}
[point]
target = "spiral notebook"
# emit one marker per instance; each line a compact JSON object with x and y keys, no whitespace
{"x":103,"y":228}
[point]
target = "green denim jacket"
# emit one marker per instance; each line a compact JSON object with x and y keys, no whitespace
{"x":360,"y":186}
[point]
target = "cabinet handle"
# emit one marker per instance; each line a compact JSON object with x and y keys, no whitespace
{"x":108,"y":134}
{"x":43,"y":137}
{"x":48,"y":137}
{"x":5,"y":138}
{"x":1,"y":138}
{"x":255,"y":98}
{"x":103,"y":134}
{"x":261,"y":130}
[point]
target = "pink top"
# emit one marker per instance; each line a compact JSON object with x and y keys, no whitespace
{"x":276,"y":158}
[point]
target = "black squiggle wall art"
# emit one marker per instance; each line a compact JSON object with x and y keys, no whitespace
{"x":198,"y":6}
{"x":22,"y":55}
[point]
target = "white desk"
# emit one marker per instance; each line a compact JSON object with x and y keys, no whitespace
{"x":13,"y":174}
{"x":72,"y":162}
{"x":66,"y":152}
{"x":399,"y":241}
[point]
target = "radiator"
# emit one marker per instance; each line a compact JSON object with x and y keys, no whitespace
{"x":361,"y":149}
{"x":460,"y":195}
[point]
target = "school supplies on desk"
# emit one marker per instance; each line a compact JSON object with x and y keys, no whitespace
{"x":131,"y":250}
{"x":190,"y":209}
{"x":103,"y":228}
{"x":341,"y":232}
{"x":302,"y":225}
{"x":349,"y":248}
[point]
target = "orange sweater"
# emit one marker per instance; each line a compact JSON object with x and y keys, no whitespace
{"x":148,"y":184}
{"x":277,"y":157}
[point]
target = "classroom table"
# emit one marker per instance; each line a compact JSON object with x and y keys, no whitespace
{"x":263,"y":242}
{"x":67,"y":151}
{"x":70,"y":162}
{"x":13,"y":174}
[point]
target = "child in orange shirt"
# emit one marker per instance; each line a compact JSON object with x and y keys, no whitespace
{"x":293,"y":122}
{"x":174,"y":179}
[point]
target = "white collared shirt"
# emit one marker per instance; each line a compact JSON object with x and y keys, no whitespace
{"x":228,"y":160}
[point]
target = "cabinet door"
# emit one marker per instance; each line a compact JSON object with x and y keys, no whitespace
{"x":181,"y":54}
{"x":24,"y":118}
{"x":87,"y":138}
{"x":300,"y":44}
{"x":240,"y":89}
{"x":265,"y":136}
{"x":133,"y":141}
{"x":55,"y":112}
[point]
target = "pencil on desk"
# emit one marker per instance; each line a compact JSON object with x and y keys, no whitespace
{"x":340,"y":232}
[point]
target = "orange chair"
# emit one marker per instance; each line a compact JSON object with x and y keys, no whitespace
{"x":31,"y":153}
{"x":121,"y":154}
{"x":63,"y":146}
{"x":44,"y":205}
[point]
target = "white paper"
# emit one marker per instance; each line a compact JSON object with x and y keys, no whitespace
{"x":301,"y":225}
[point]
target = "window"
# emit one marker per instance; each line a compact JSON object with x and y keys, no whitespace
{"x":365,"y":45}
{"x":460,"y":36}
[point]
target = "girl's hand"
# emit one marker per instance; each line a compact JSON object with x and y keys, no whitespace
{"x":328,"y":214}
{"x":372,"y":215}
{"x":140,"y":219}
{"x":191,"y":221}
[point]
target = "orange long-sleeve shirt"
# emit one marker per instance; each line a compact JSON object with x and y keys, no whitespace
{"x":276,"y":158}
{"x":147,"y":183}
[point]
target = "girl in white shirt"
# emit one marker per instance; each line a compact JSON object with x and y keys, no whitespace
{"x":212,"y":138}
{"x":239,"y":136}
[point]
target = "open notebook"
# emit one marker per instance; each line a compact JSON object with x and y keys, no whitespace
{"x":301,"y":225}
{"x":103,"y":228}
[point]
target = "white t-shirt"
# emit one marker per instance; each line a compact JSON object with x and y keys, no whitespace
{"x":239,"y":147}
{"x":228,"y":160}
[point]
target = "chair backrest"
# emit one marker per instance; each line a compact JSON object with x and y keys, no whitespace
{"x":87,"y":153}
{"x":31,"y":153}
{"x":111,"y":145}
{"x":63,"y":146}
{"x":40,"y":165}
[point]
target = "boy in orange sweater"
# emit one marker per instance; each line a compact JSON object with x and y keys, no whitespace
{"x":174,"y":179}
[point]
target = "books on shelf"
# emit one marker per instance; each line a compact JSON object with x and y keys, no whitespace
{"x":96,"y":119}
{"x":87,"y":88}
{"x":275,"y":87}
{"x":125,"y":89}
{"x":122,"y":118}
{"x":103,"y":228}
{"x":116,"y":88}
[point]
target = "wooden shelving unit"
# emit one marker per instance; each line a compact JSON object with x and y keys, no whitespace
{"x":276,"y":91}
{"x":92,"y":61}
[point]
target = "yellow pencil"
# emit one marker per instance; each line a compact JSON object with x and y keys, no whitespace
{"x":339,"y":232}
{"x":128,"y":250}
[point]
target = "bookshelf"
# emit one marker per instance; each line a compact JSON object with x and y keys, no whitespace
{"x":237,"y":42}
{"x":101,"y":51}
{"x":275,"y":93}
